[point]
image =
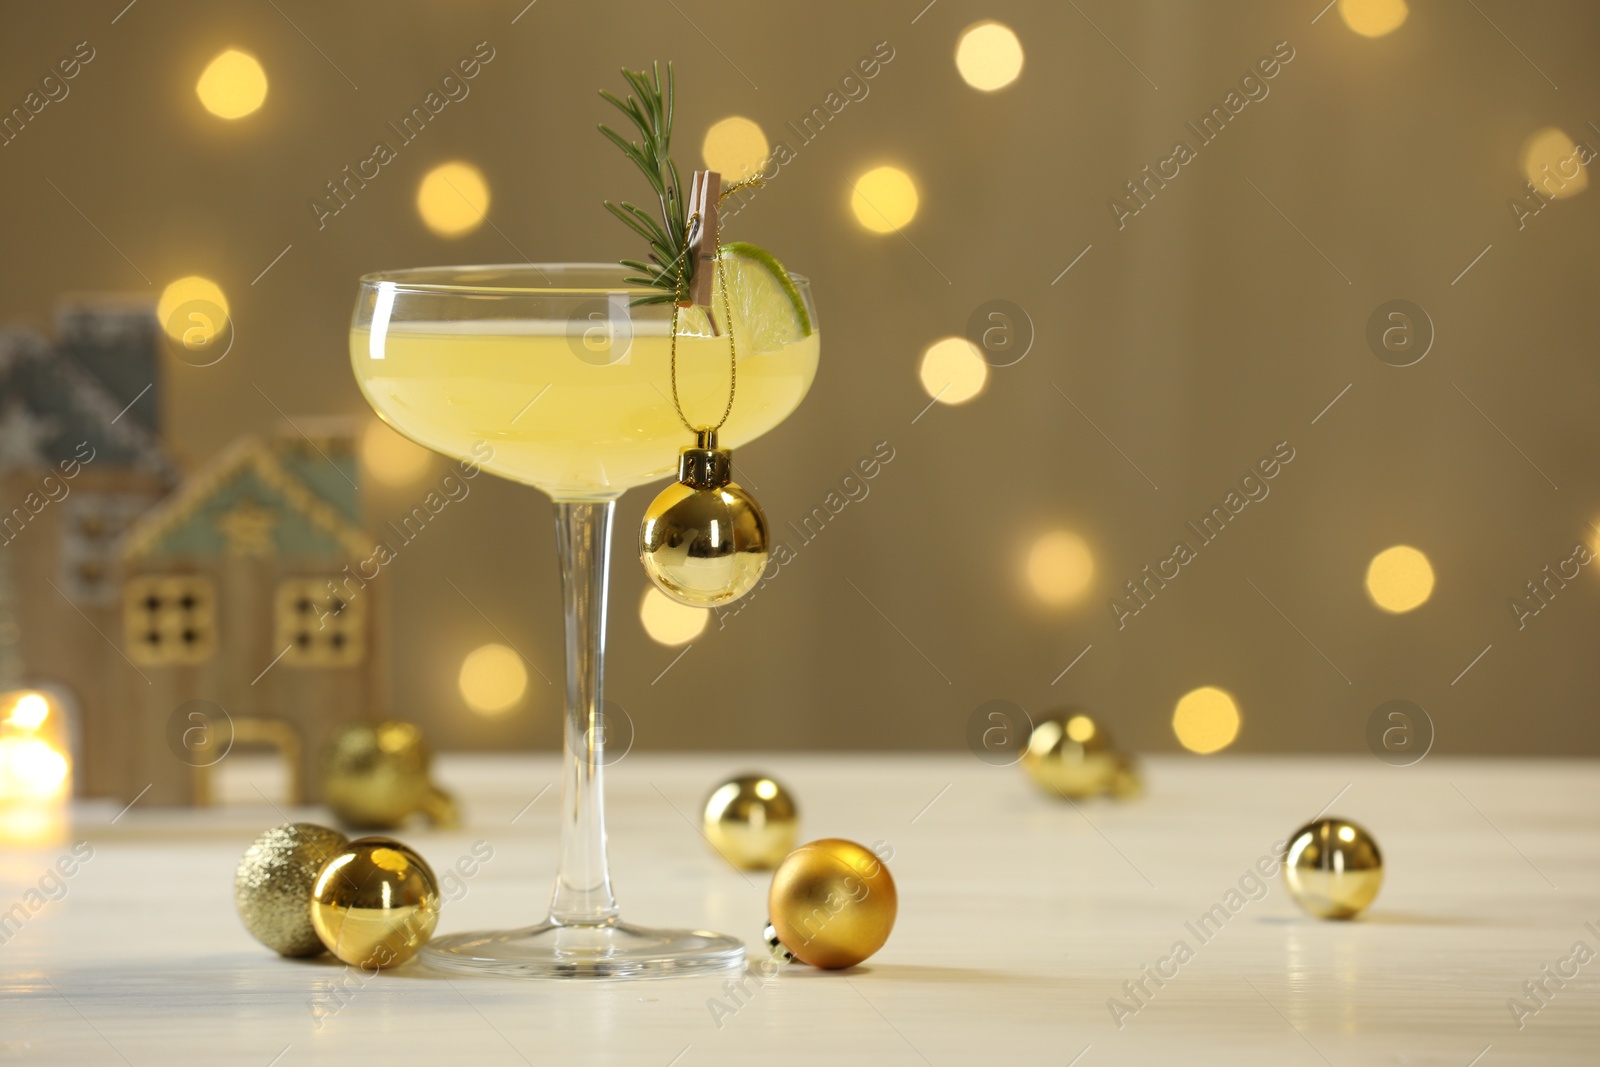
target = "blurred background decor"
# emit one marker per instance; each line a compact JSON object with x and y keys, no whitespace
{"x":375,"y":777}
{"x":1071,"y":755}
{"x":237,"y":590}
{"x":1374,"y":258}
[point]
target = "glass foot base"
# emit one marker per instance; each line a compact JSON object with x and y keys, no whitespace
{"x":612,"y":950}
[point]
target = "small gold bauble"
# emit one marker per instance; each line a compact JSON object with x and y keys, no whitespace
{"x":375,"y":903}
{"x":832,"y":903}
{"x":703,"y":545}
{"x":376,"y":777}
{"x":1333,"y":868}
{"x":272,"y":886}
{"x":1070,"y":755}
{"x":752,"y":820}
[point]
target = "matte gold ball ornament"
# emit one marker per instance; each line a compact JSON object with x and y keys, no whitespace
{"x":752,"y":820}
{"x":272,"y":885}
{"x":704,"y":539}
{"x":375,"y":903}
{"x":376,"y":777}
{"x":1333,"y":868}
{"x":832,"y":904}
{"x":1069,"y":754}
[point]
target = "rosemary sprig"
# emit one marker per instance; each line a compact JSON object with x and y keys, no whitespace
{"x":649,"y":107}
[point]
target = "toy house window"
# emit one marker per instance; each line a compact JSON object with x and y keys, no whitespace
{"x":169,"y":619}
{"x":318,"y":626}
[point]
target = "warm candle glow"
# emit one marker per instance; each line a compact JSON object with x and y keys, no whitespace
{"x":34,"y":764}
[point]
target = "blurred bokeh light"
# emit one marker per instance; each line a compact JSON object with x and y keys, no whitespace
{"x":391,"y":458}
{"x":1399,"y":579}
{"x":453,"y":199}
{"x":1060,"y":568}
{"x":953,"y":370}
{"x":492,"y":679}
{"x":1206,"y":720}
{"x":1551,"y":161}
{"x":1373,"y":18}
{"x":989,"y":56}
{"x":192,"y":306}
{"x":734,"y":147}
{"x":669,"y":622}
{"x":884,"y":199}
{"x":233,"y":85}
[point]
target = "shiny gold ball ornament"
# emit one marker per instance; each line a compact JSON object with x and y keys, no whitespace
{"x":272,"y":885}
{"x":1069,"y":754}
{"x":1333,"y":868}
{"x":704,"y":540}
{"x":832,"y":903}
{"x":375,"y":777}
{"x":375,"y":903}
{"x":752,"y":820}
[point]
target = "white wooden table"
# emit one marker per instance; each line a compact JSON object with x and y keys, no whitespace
{"x":1020,"y":918}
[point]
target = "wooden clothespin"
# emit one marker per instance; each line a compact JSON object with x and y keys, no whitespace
{"x":705,"y":190}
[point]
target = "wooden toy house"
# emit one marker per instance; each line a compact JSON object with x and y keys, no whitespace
{"x":243,"y":599}
{"x":245,"y":591}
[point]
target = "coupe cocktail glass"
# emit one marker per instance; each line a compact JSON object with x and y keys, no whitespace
{"x":551,"y":375}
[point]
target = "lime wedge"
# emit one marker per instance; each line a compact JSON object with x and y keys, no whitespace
{"x":768,"y":311}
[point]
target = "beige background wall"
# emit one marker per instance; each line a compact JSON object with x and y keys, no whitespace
{"x":1206,"y":331}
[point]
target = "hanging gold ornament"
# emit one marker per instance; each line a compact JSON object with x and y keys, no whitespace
{"x":752,"y":820}
{"x":376,"y":777}
{"x":272,"y":885}
{"x":704,"y":539}
{"x":1333,"y":868}
{"x":832,"y":904}
{"x":1069,"y":754}
{"x":375,"y":903}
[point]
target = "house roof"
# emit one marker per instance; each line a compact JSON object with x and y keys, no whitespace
{"x":98,"y":384}
{"x":246,"y":501}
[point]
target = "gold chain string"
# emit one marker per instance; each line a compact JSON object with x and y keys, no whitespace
{"x":727,"y":309}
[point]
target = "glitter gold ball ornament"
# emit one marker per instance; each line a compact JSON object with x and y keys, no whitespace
{"x":375,"y":903}
{"x":752,"y":820}
{"x":704,"y":540}
{"x":376,"y":777}
{"x":1071,"y":755}
{"x":272,"y":886}
{"x":832,"y":903}
{"x":1333,"y":868}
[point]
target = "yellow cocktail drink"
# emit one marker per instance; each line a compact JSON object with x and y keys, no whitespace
{"x":582,"y":415}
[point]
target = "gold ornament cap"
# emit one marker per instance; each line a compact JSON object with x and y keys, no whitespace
{"x":272,"y":885}
{"x":832,"y":903}
{"x":705,"y":466}
{"x":775,"y":946}
{"x":1333,"y":868}
{"x":375,"y":903}
{"x":752,"y":820}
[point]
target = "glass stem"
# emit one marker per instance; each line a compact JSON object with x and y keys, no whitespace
{"x":583,"y":885}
